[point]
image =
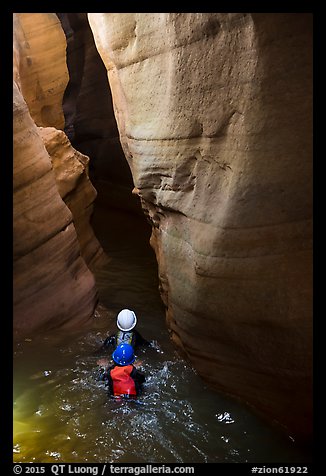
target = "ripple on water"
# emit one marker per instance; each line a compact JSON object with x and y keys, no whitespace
{"x":174,"y":420}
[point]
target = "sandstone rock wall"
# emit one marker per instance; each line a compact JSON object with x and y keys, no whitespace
{"x":41,"y":46}
{"x":52,"y":284}
{"x":70,"y":169}
{"x":214,"y":115}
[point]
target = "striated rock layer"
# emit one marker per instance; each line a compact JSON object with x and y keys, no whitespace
{"x":214,"y":115}
{"x":52,"y":284}
{"x":70,"y":169}
{"x":43,"y":75}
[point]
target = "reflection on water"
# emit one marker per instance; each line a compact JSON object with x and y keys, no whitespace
{"x":62,"y":412}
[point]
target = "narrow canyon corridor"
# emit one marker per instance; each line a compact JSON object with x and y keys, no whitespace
{"x":61,"y":409}
{"x":163,"y":163}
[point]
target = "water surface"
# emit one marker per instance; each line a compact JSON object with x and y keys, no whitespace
{"x":62,"y":412}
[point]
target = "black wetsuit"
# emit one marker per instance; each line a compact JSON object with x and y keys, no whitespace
{"x":111,"y":342}
{"x":121,"y":337}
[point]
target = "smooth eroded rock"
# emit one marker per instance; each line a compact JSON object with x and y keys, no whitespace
{"x":41,"y":45}
{"x":215,"y":118}
{"x":52,"y":284}
{"x":71,"y":173}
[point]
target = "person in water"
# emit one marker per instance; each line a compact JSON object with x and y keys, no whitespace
{"x":123,"y":379}
{"x":126,"y":322}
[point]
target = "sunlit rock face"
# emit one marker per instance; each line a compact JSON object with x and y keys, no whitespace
{"x":214,"y":114}
{"x":41,"y":46}
{"x":53,"y":286}
{"x":71,"y":173}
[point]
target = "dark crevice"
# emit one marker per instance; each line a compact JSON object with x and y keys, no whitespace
{"x":90,"y":122}
{"x":75,"y":65}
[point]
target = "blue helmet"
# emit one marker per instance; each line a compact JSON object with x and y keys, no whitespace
{"x":124,"y":354}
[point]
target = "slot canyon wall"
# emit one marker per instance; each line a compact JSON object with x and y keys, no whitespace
{"x":89,"y":118}
{"x":54,"y":245}
{"x":215,"y":119}
{"x":214,"y":115}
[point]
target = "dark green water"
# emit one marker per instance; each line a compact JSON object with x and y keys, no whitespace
{"x":61,"y":410}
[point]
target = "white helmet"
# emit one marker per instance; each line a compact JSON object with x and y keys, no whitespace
{"x":126,"y":320}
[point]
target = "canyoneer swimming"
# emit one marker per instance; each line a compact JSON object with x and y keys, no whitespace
{"x":127,"y":334}
{"x":123,"y":379}
{"x":126,"y":323}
